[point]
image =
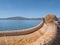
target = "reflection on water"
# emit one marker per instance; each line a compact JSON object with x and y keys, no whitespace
{"x":17,"y":24}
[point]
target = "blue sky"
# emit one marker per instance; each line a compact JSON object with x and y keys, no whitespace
{"x":29,"y":8}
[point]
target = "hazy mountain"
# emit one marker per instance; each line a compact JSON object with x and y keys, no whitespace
{"x":19,"y":18}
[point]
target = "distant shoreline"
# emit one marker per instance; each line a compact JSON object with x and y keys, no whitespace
{"x":20,"y":18}
{"x":14,"y":19}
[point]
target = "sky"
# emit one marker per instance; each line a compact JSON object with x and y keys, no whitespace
{"x":29,"y":8}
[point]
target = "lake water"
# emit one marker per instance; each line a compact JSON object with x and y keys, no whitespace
{"x":17,"y":24}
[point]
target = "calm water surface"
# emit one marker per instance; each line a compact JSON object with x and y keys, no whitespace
{"x":17,"y":24}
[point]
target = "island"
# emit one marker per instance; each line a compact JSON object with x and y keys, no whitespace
{"x":19,"y":18}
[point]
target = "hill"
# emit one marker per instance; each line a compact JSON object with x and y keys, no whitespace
{"x":19,"y":18}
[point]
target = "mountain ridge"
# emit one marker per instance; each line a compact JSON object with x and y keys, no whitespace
{"x":19,"y":18}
